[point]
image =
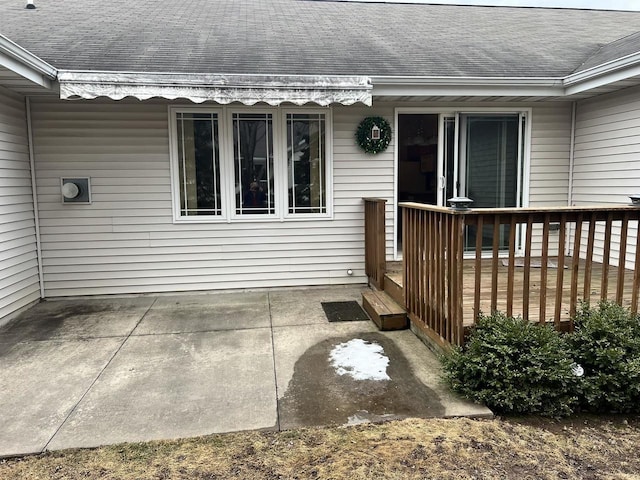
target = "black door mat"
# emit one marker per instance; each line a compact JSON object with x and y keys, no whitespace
{"x":344,"y":311}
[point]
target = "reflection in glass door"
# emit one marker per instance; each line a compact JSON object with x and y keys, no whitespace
{"x":475,"y":155}
{"x":490,"y":150}
{"x":417,"y":161}
{"x":483,"y":161}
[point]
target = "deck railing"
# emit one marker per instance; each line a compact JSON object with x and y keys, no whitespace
{"x":537,"y":263}
{"x":374,"y":241}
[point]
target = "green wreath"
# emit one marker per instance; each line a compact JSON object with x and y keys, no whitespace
{"x":364,"y":134}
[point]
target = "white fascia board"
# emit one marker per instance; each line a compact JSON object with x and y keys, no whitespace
{"x":598,"y":76}
{"x":467,"y":86}
{"x":25,"y":63}
{"x":603,"y":69}
{"x":610,"y":72}
{"x":23,"y":70}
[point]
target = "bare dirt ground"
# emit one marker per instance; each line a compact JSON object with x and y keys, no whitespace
{"x":530,"y":448}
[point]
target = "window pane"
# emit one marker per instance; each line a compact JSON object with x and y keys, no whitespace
{"x":306,"y":159}
{"x":492,"y":160}
{"x":199,"y":164}
{"x":253,"y":160}
{"x":449,"y":155}
{"x":491,"y":168}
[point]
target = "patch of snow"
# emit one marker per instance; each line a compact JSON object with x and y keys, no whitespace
{"x":362,"y":416}
{"x":360,"y":360}
{"x":357,"y":419}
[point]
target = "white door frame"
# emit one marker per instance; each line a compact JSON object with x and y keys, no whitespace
{"x":455,"y":111}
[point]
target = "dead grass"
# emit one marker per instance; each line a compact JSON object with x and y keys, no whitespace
{"x":410,"y":449}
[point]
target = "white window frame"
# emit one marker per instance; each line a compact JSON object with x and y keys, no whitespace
{"x":174,"y":156}
{"x":229,"y":159}
{"x":328,"y":181}
{"x":227,"y":172}
{"x":454,"y":111}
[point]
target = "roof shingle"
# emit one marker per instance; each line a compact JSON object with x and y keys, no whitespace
{"x":313,"y":37}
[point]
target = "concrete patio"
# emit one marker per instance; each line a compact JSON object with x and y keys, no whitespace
{"x":89,"y":372}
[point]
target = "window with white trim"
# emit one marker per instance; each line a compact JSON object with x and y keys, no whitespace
{"x":240,"y":164}
{"x":306,"y":163}
{"x":253,"y":163}
{"x":198,"y":164}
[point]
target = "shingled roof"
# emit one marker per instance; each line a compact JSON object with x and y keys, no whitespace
{"x":613,"y":51}
{"x":314,"y":37}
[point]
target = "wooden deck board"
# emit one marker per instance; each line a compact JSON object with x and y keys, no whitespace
{"x":534,"y":290}
{"x":445,"y":292}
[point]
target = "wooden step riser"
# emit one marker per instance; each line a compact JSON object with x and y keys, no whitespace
{"x":383,"y":311}
{"x":394,"y":290}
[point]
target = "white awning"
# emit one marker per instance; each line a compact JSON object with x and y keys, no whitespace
{"x":223,"y":89}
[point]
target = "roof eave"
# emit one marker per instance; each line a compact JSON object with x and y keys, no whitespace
{"x":414,"y":86}
{"x":25,"y":63}
{"x":467,"y":86}
{"x":603,"y":74}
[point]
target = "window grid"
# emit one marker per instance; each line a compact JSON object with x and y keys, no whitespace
{"x":184,"y":165}
{"x":186,"y":207}
{"x":293,"y":165}
{"x":317,"y":120}
{"x":275,"y":165}
{"x":213,"y":166}
{"x":238,"y":174}
{"x":240,"y":155}
{"x":321,"y":129}
{"x":266,"y":128}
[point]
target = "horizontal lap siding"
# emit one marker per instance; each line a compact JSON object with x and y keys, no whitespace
{"x":550,"y":150}
{"x":549,"y":172}
{"x":18,"y":259}
{"x":607,"y":153}
{"x":125,"y":241}
{"x":362,"y":174}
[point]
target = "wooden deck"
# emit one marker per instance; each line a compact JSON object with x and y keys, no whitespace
{"x":448,"y":280}
{"x":593,"y":294}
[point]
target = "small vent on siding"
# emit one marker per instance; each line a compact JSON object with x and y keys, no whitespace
{"x":30,"y":5}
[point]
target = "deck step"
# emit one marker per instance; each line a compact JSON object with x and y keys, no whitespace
{"x":393,"y":287}
{"x":384,"y":311}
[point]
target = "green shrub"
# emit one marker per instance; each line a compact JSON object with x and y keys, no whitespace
{"x":606,"y":343}
{"x":514,"y":366}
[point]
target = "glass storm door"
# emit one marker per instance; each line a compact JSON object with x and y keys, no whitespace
{"x":483,"y":161}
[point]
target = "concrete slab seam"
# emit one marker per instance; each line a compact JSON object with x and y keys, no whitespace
{"x":44,"y":449}
{"x":159,"y":334}
{"x":273,"y":356}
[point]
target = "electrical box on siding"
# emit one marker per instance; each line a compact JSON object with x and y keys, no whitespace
{"x":76,"y":190}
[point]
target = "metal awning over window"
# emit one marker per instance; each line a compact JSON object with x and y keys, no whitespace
{"x":223,"y":89}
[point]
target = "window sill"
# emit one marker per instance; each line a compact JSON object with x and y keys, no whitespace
{"x":252,"y":219}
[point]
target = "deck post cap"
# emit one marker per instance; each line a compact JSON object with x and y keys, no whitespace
{"x":460,"y":203}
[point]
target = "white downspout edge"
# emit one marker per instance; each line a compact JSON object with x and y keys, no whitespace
{"x":34,"y":193}
{"x":571,"y":152}
{"x":571,"y":165}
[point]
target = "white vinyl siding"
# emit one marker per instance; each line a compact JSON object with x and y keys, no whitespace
{"x":550,"y":152}
{"x":357,"y":174}
{"x":550,"y":158}
{"x":607,"y":152}
{"x":126,"y":240}
{"x":19,"y":285}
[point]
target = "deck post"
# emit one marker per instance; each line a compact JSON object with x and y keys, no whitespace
{"x":375,"y":241}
